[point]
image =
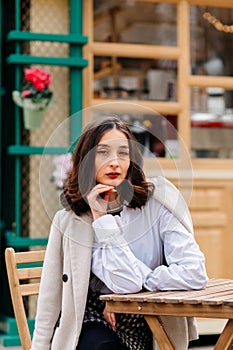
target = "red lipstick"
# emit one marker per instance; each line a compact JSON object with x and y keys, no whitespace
{"x":113,"y":175}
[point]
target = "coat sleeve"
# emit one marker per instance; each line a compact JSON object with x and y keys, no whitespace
{"x":49,"y":300}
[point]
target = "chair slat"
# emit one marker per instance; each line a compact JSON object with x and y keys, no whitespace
{"x":28,"y":273}
{"x":29,"y":289}
{"x":29,"y":257}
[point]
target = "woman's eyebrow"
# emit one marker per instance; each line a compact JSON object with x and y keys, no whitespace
{"x":103,"y":145}
{"x":124,"y":146}
{"x":108,"y":146}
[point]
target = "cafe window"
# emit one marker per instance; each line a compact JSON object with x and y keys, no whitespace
{"x":137,"y":52}
{"x":211,"y":48}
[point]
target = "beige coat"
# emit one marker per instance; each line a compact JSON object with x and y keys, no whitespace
{"x":65,"y":279}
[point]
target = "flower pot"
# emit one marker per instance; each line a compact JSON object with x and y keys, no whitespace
{"x":32,"y":118}
{"x":33,"y":112}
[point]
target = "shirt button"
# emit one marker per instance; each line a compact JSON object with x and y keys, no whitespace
{"x":65,"y":277}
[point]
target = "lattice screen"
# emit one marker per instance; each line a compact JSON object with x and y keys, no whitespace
{"x":44,"y":16}
{"x":40,"y":199}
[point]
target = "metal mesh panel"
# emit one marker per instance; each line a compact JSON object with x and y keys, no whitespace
{"x":24,"y":14}
{"x":44,"y":16}
{"x":44,"y":201}
{"x":47,"y":49}
{"x":25,"y":135}
{"x":25,"y":170}
{"x":49,"y":16}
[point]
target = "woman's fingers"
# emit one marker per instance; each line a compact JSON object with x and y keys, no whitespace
{"x":95,"y":202}
{"x":110,"y":318}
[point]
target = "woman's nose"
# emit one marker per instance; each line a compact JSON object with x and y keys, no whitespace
{"x":114,"y":161}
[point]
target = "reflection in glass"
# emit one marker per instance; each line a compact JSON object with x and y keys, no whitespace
{"x":135,"y":22}
{"x":212,"y":135}
{"x":211,"y":108}
{"x":210,"y":48}
{"x":135,"y":79}
{"x":156,"y":135}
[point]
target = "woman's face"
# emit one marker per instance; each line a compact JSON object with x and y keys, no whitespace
{"x":112,"y":158}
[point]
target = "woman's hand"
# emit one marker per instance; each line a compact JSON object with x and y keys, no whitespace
{"x":98,"y":204}
{"x":110,"y":318}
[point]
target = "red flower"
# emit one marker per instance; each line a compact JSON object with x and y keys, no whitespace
{"x":38,"y":78}
{"x":37,"y":84}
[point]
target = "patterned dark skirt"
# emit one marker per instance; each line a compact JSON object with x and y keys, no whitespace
{"x":132,"y":330}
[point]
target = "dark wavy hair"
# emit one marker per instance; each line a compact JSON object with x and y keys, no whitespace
{"x":135,"y":190}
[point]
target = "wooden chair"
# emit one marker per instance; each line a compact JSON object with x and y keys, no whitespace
{"x":30,"y":276}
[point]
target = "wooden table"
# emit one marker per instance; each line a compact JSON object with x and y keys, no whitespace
{"x":216,"y":301}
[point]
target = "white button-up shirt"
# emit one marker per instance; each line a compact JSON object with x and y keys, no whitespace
{"x":146,"y":248}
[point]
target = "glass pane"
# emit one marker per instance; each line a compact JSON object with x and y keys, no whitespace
{"x":211,"y":41}
{"x":212,"y":133}
{"x":135,"y":22}
{"x":134,"y":79}
{"x":156,"y":134}
{"x":211,"y":108}
{"x":213,"y":100}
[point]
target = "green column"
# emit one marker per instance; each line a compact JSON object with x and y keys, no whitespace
{"x":1,"y":93}
{"x":75,"y":73}
{"x":17,"y":131}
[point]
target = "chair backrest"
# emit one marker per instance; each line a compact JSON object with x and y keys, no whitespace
{"x":30,"y":276}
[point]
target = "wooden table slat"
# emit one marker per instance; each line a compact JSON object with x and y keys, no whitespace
{"x":229,"y":302}
{"x":217,"y":299}
{"x":218,"y":281}
{"x":164,"y":297}
{"x":197,"y":297}
{"x":214,"y":286}
{"x":221,"y":299}
{"x":141,"y":296}
{"x":211,"y":295}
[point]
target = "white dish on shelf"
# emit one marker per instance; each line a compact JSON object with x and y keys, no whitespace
{"x":227,"y":118}
{"x":199,"y":117}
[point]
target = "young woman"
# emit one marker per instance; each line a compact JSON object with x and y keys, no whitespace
{"x":117,"y":233}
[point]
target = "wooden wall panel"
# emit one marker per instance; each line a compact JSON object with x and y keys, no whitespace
{"x":206,"y":199}
{"x":210,"y":241}
{"x":211,"y":209}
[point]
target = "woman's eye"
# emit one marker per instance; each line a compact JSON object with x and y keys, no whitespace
{"x":102,"y":152}
{"x":124,"y":154}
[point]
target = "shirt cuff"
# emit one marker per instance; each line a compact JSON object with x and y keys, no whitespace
{"x":145,"y":271}
{"x":107,"y":231}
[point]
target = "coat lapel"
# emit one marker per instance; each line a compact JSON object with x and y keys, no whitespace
{"x":169,"y":196}
{"x":80,"y":247}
